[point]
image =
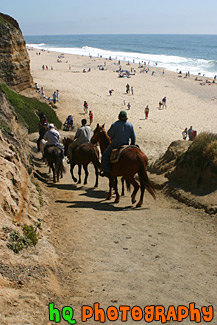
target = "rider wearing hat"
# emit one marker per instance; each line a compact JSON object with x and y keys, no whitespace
{"x":82,"y":135}
{"x":120,"y":133}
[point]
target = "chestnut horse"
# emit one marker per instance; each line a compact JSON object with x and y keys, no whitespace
{"x":83,"y":155}
{"x":131,"y":162}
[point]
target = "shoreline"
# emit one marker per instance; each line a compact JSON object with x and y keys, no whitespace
{"x":188,"y":102}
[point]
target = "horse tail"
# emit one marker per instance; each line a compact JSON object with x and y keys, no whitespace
{"x":144,"y":177}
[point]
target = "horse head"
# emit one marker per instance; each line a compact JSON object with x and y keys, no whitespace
{"x":97,"y":133}
{"x":66,"y":143}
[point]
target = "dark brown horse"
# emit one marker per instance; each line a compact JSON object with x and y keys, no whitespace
{"x":82,"y":156}
{"x":53,"y":156}
{"x":132,"y":161}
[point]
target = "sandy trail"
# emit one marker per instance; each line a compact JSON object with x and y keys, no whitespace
{"x":162,"y":254}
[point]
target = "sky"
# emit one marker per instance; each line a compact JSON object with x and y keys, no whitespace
{"x":58,"y":17}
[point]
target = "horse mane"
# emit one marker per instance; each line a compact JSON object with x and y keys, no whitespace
{"x":107,"y":139}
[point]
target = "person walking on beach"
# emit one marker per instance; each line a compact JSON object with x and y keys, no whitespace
{"x":110,"y":91}
{"x":85,"y":107}
{"x":57,"y":93}
{"x":146,"y":112}
{"x":91,"y":117}
{"x":128,"y":106}
{"x":127,"y":88}
{"x":164,"y":101}
{"x":132,"y":90}
{"x":120,"y":133}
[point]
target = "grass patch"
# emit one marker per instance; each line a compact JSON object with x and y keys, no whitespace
{"x":5,"y":127}
{"x":17,"y":241}
{"x":28,"y":109}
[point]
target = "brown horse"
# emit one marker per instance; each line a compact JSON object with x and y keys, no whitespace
{"x":53,"y":156}
{"x":83,"y":155}
{"x":132,"y":161}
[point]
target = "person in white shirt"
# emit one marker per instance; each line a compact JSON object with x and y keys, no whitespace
{"x":82,"y":135}
{"x":52,"y":137}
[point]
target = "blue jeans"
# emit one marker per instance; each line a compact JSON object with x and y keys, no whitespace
{"x":106,"y":166}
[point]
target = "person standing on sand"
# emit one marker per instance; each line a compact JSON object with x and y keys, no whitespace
{"x":146,"y":112}
{"x":127,"y":88}
{"x":164,"y":101}
{"x":91,"y":117}
{"x":128,"y":106}
{"x":54,"y":97}
{"x":132,"y":90}
{"x":184,"y":134}
{"x":57,"y":93}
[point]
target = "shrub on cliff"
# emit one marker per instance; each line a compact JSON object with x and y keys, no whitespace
{"x":202,"y":151}
{"x":27,"y":110}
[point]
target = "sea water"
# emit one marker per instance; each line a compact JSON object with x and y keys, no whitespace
{"x":193,"y":53}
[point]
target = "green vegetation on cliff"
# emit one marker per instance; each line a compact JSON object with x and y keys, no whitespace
{"x":27,"y":110}
{"x":202,"y":152}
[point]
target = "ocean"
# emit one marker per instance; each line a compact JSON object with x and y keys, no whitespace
{"x":193,"y":53}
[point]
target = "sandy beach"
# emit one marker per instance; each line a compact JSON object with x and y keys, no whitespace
{"x":188,"y":102}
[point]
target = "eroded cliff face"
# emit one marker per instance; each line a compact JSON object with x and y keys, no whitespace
{"x":14,"y":58}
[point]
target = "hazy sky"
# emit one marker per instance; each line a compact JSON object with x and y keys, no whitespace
{"x":47,"y":17}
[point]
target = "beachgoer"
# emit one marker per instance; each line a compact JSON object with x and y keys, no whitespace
{"x":132,"y":90}
{"x":160,"y":104}
{"x":82,"y":135}
{"x":85,"y":107}
{"x":42,"y":92}
{"x":120,"y":133}
{"x":190,"y":131}
{"x":128,"y":106}
{"x":146,"y":112}
{"x":91,"y":117}
{"x":110,"y":92}
{"x":57,"y":93}
{"x":54,"y":97}
{"x":184,"y":134}
{"x":127,"y":88}
{"x":164,"y":100}
{"x":52,"y":137}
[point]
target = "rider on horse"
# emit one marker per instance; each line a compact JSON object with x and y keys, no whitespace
{"x":120,"y":133}
{"x":82,"y":135}
{"x":52,"y":137}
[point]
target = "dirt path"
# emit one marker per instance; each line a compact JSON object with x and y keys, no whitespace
{"x":161,"y":254}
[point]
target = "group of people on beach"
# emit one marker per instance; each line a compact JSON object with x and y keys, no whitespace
{"x":190,"y":133}
{"x":55,"y":96}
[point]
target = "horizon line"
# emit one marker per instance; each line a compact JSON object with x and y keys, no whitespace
{"x":77,"y":34}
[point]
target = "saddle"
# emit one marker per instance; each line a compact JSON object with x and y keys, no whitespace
{"x":116,"y":153}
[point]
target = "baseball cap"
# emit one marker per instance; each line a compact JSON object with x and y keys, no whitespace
{"x":51,"y":125}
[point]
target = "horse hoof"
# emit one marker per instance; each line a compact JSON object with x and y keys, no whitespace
{"x":75,"y":180}
{"x":117,"y":200}
{"x":79,"y":182}
{"x":133,"y":201}
{"x":85,"y":183}
{"x":109,"y":197}
{"x":138,"y":205}
{"x":96,"y":185}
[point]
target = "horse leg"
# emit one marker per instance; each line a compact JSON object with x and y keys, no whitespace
{"x":111,"y":185}
{"x":71,"y":170}
{"x":79,"y":174}
{"x":136,"y":188}
{"x":54,"y":172}
{"x":86,"y":174}
{"x":97,"y":175}
{"x":122,"y":188}
{"x":117,"y":199}
{"x":142,"y":188}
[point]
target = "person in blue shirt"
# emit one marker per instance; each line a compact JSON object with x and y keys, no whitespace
{"x":120,"y":133}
